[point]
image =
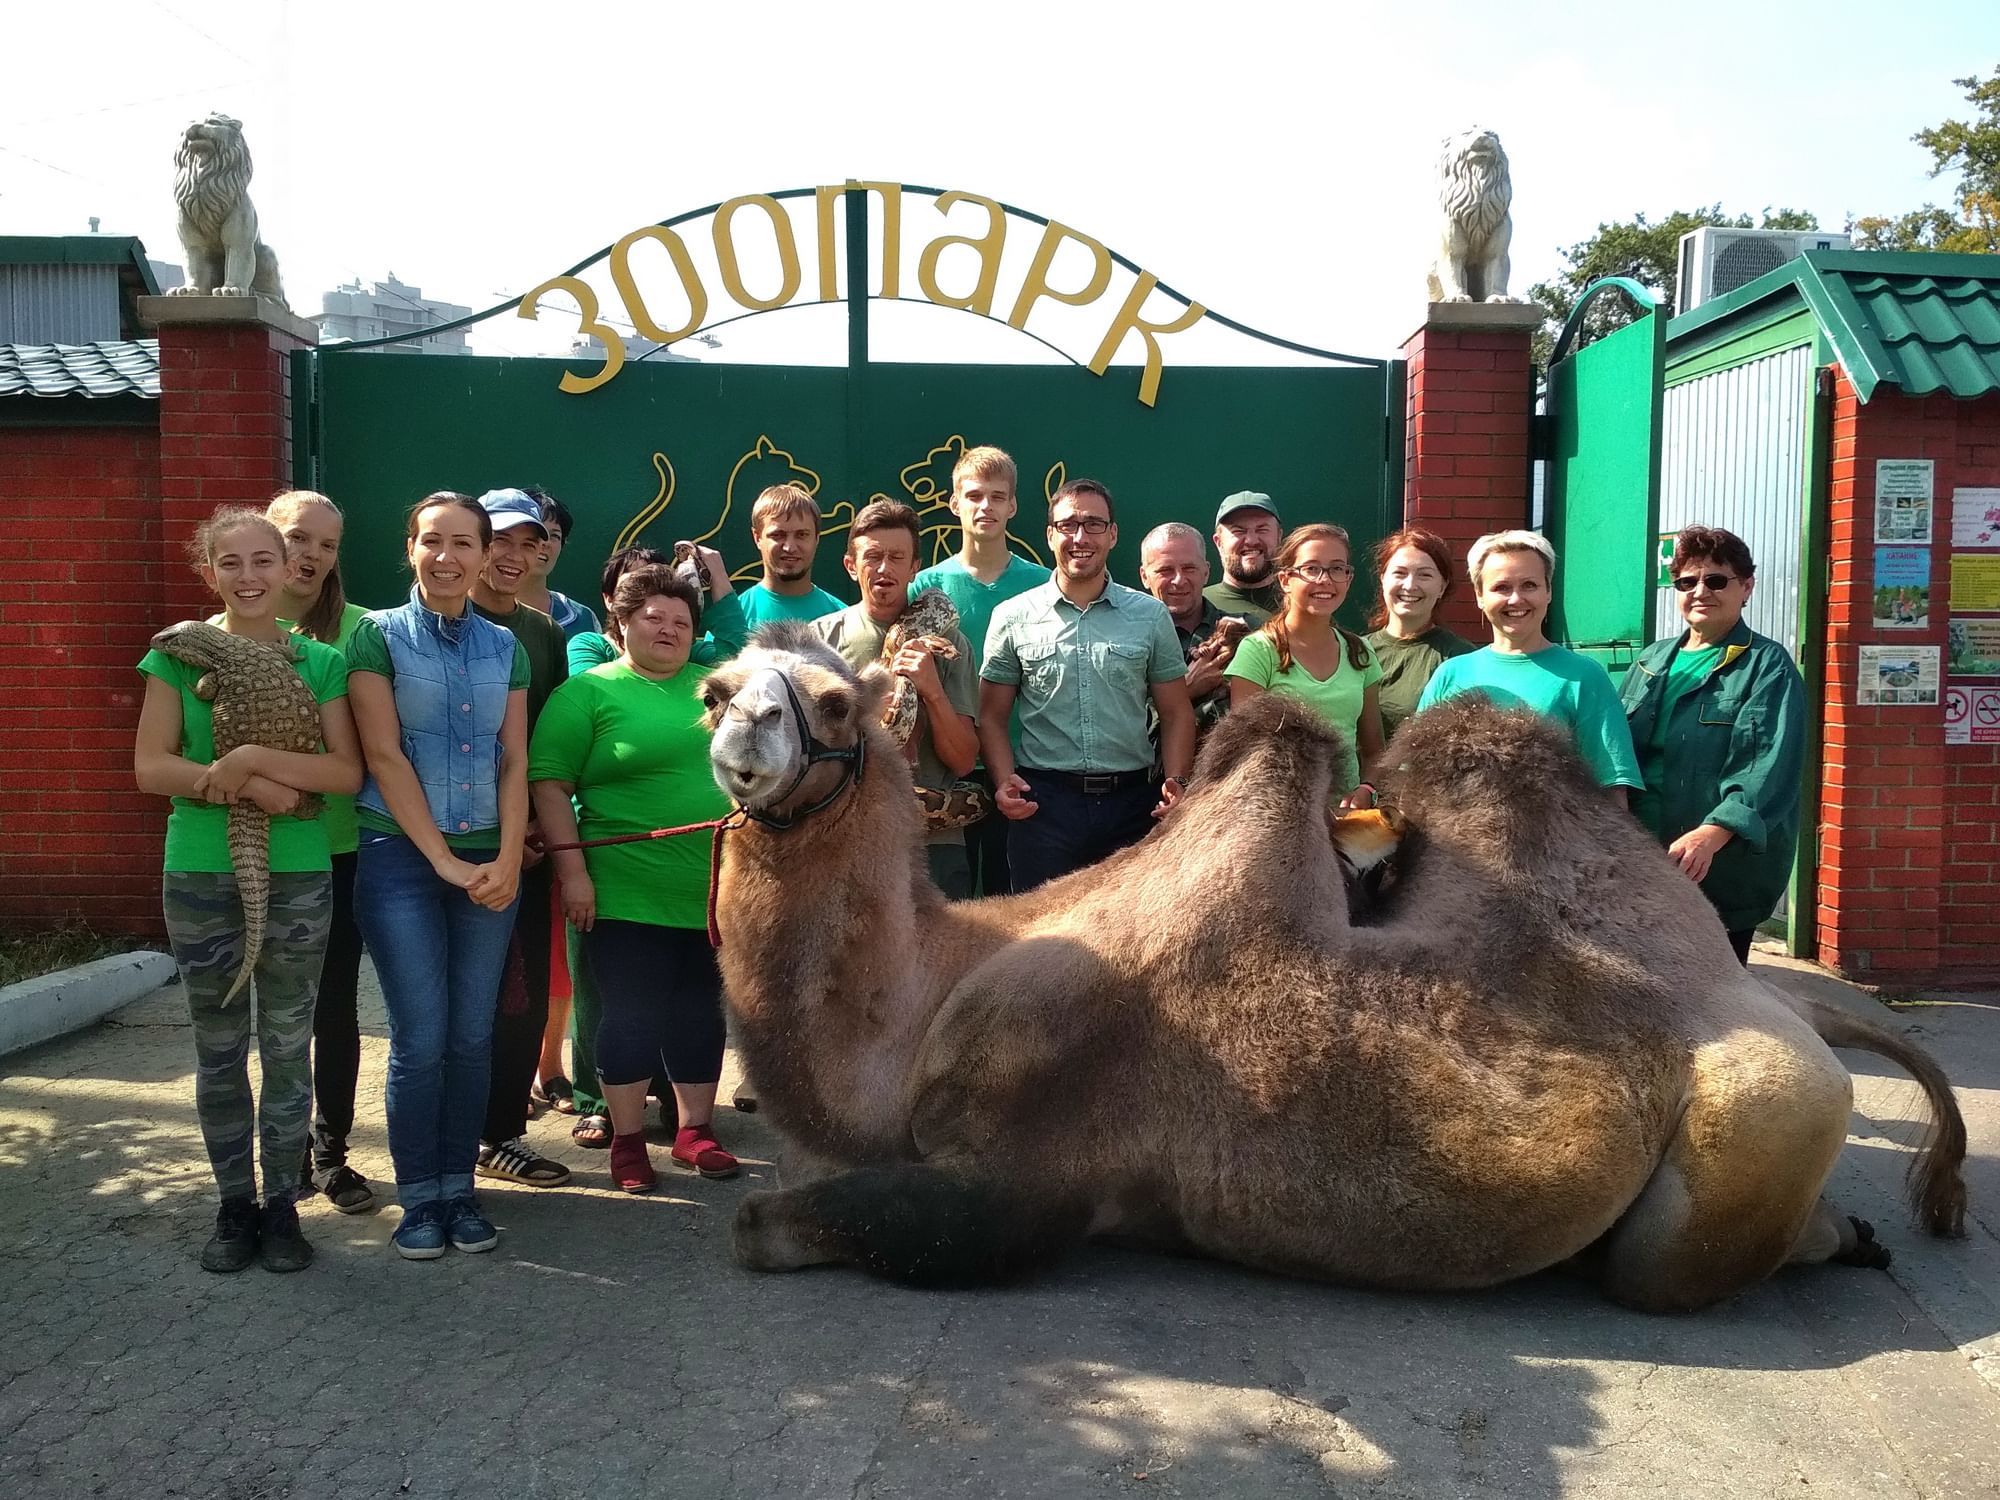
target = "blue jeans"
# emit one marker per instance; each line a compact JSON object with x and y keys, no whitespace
{"x":1072,"y":829}
{"x":439,"y":956}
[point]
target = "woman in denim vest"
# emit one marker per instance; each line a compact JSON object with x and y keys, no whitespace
{"x":440,"y":698}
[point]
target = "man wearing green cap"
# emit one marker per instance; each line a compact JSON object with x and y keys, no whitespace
{"x":1247,"y":536}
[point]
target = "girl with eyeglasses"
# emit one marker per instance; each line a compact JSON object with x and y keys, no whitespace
{"x":1302,"y":653}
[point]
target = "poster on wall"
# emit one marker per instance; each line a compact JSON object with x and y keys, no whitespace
{"x":1975,"y":518}
{"x":1902,"y":588}
{"x":1898,"y":676}
{"x":1972,"y":646}
{"x":1972,"y":716}
{"x":1975,"y":582}
{"x":1903,"y":499}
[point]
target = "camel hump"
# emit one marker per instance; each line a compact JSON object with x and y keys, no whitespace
{"x":1469,"y":750}
{"x":1288,"y":745}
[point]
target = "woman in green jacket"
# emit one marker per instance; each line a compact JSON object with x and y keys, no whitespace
{"x":1718,"y":714}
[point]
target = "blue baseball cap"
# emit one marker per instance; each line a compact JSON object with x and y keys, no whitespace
{"x":510,"y":508}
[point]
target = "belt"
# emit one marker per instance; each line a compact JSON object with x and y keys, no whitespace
{"x":1092,"y":783}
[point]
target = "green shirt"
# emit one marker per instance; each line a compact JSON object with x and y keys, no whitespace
{"x":368,"y":652}
{"x":547,"y":647}
{"x":1254,"y":605}
{"x":761,"y":607}
{"x":1338,"y":699}
{"x":637,"y":755}
{"x":1687,"y":671}
{"x":1559,"y":684}
{"x":1407,"y":665}
{"x":343,"y":832}
{"x":976,"y":601}
{"x":858,"y":639}
{"x":1084,"y":674}
{"x":723,"y":638}
{"x":198,"y":831}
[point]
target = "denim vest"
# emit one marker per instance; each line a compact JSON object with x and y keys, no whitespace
{"x":451,"y":695}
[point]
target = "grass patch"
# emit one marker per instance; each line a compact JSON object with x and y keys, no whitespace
{"x":37,"y":951}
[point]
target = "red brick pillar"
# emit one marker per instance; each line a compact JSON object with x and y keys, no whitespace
{"x":1470,"y":402}
{"x":225,"y":417}
{"x":1883,"y":817}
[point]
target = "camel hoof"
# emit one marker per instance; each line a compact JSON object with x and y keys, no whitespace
{"x":1866,"y":1253}
{"x":765,"y":1235}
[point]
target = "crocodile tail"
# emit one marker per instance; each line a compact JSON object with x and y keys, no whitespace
{"x":250,"y":858}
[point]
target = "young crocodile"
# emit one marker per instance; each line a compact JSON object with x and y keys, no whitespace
{"x":258,"y":698}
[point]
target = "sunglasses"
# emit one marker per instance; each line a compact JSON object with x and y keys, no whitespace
{"x":1715,"y":583}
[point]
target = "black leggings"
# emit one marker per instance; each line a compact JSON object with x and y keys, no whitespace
{"x":662,"y":1002}
{"x":336,"y":1026}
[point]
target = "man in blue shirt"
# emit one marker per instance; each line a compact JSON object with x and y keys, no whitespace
{"x":1083,"y":657}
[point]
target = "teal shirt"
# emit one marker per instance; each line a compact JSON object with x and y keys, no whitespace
{"x":976,"y":601}
{"x":1559,"y":684}
{"x":762,"y":607}
{"x":1084,"y":674}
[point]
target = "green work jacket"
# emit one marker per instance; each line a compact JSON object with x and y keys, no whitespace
{"x":1734,"y":751}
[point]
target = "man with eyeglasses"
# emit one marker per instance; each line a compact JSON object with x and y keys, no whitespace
{"x":1718,"y":714}
{"x":1247,"y":536}
{"x":1083,"y":658}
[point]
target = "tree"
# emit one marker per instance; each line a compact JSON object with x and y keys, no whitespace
{"x":1972,"y":149}
{"x":1642,"y":250}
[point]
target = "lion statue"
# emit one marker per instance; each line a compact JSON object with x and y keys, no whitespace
{"x":218,"y":223}
{"x":1475,"y":193}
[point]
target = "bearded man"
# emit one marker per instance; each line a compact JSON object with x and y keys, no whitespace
{"x":1247,"y":532}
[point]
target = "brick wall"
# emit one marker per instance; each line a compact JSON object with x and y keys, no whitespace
{"x":1466,"y":445}
{"x":77,"y":607}
{"x":1909,"y":873}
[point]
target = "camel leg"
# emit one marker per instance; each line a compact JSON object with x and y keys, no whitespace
{"x":1831,"y":1235}
{"x":911,"y":1223}
{"x":1737,"y":1194}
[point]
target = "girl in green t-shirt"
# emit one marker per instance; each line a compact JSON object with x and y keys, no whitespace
{"x":1303,"y":654}
{"x":241,"y":556}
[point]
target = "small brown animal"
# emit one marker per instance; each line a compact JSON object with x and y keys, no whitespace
{"x":258,"y":698}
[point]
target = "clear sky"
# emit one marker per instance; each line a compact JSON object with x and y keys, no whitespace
{"x":1275,"y":161}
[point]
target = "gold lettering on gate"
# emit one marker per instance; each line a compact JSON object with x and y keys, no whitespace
{"x":1129,"y":321}
{"x":987,"y":246}
{"x":788,"y":252}
{"x":635,"y":300}
{"x":892,"y":235}
{"x":1035,"y":285}
{"x":586,"y":306}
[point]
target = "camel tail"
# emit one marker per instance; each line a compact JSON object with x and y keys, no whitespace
{"x":925,"y":1227}
{"x":1937,"y":1190}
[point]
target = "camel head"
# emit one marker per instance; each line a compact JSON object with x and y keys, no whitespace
{"x":788,"y":717}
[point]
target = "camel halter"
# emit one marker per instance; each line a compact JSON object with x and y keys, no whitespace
{"x":813,"y":751}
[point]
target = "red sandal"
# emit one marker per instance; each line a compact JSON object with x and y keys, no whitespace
{"x":695,"y":1150}
{"x":632,"y":1165}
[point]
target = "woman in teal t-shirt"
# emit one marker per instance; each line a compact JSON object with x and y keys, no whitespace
{"x":241,"y":556}
{"x":626,"y":742}
{"x":314,"y":600}
{"x":1303,"y":654}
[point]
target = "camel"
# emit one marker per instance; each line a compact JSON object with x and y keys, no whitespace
{"x":1536,"y":1050}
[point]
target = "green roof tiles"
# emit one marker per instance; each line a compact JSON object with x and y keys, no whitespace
{"x":1922,"y":323}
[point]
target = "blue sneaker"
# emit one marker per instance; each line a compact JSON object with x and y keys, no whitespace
{"x":421,"y":1234}
{"x":470,"y":1229}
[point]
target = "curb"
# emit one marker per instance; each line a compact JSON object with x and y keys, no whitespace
{"x":53,"y":1005}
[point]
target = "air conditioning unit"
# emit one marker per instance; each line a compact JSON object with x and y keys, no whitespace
{"x":1715,"y":261}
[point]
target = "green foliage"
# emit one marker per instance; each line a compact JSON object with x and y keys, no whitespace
{"x":31,"y":952}
{"x":1970,"y":148}
{"x":1645,"y":251}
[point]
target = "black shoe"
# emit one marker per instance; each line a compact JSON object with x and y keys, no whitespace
{"x":346,"y":1189}
{"x":285,"y":1249}
{"x":234,"y":1243}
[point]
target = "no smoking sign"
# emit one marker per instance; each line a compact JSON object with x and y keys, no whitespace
{"x":1972,"y":716}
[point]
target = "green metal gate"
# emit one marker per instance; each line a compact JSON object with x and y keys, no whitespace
{"x":1602,"y":496}
{"x":673,"y":450}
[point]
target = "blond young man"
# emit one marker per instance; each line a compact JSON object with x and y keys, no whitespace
{"x":982,"y":576}
{"x":784,"y":523}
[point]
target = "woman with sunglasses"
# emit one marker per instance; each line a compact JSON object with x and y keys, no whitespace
{"x":1718,"y":713}
{"x":1302,"y":653}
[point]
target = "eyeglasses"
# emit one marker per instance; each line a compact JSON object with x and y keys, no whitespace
{"x":1320,"y":572}
{"x":1081,"y":526}
{"x":1715,"y":583}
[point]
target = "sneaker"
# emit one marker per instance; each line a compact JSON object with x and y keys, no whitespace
{"x":632,"y":1165}
{"x":470,"y":1229}
{"x":283,"y":1247}
{"x":517,"y":1161}
{"x":234,"y":1244}
{"x":421,"y":1234}
{"x":346,"y":1189}
{"x":695,"y":1150}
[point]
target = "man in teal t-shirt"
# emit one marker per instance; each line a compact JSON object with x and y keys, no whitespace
{"x":784,"y":523}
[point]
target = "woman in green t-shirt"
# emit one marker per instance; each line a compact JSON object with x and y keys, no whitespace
{"x":625,"y":741}
{"x":315,"y":600}
{"x":1414,"y":568}
{"x":241,"y":556}
{"x":1303,"y":654}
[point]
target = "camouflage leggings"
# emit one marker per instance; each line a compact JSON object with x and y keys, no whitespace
{"x":205,"y":926}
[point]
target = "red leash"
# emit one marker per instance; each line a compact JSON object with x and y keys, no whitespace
{"x":720,"y":825}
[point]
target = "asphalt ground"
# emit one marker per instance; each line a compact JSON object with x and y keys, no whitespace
{"x":610,"y":1347}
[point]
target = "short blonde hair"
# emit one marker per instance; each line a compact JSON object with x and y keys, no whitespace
{"x":1511,"y":541}
{"x":781,"y":502}
{"x":986,"y":463}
